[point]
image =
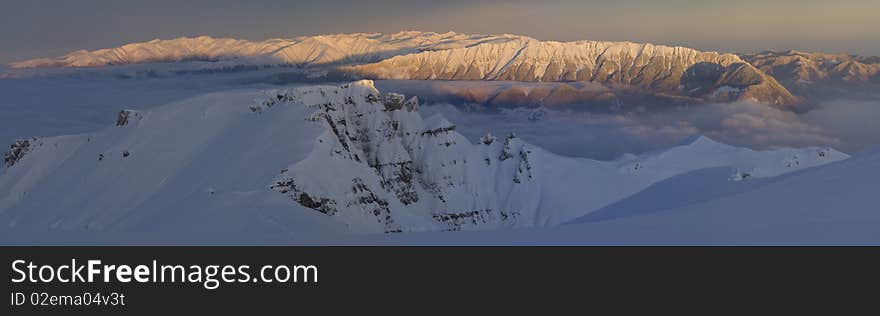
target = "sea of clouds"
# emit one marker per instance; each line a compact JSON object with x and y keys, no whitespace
{"x":847,"y":125}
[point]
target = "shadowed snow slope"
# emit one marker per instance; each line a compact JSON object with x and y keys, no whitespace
{"x":834,"y":204}
{"x":328,"y":159}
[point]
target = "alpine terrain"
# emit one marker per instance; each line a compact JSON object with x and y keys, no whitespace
{"x":319,"y":159}
{"x":672,"y":74}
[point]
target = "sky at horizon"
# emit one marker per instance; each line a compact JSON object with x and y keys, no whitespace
{"x":49,"y":28}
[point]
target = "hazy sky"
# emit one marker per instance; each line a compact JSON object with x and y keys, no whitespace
{"x":44,"y":28}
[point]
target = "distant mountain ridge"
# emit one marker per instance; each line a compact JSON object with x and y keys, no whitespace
{"x":659,"y":69}
{"x":305,"y":50}
{"x":801,"y":71}
{"x":678,"y":72}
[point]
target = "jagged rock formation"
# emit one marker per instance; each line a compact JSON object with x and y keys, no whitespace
{"x":800,"y":71}
{"x":381,"y":167}
{"x":390,"y":165}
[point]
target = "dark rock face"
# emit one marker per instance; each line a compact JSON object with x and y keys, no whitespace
{"x":439,"y":130}
{"x":373,"y":204}
{"x":398,"y":178}
{"x":461,"y":220}
{"x":401,"y":169}
{"x":17,"y":151}
{"x":701,"y":78}
{"x":126,"y":117}
{"x":507,"y":152}
{"x":525,"y":167}
{"x":320,"y":204}
{"x":487,"y":139}
{"x":393,"y":101}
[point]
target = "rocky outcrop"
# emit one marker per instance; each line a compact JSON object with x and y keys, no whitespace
{"x":126,"y":117}
{"x":473,"y":219}
{"x":388,"y":166}
{"x":17,"y":151}
{"x":320,"y":204}
{"x":380,"y":167}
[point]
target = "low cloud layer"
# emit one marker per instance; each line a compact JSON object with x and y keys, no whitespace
{"x":846,"y":125}
{"x":855,"y":123}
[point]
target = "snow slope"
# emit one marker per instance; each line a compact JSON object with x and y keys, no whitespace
{"x":327,"y":159}
{"x":181,"y":169}
{"x":835,"y":204}
{"x":83,"y":101}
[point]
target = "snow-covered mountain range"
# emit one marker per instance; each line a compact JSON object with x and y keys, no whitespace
{"x":803,"y":72}
{"x":306,"y":50}
{"x":679,"y":72}
{"x":329,"y":158}
{"x":659,"y":69}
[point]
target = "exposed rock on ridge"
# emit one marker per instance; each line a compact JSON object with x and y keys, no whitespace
{"x":648,"y":68}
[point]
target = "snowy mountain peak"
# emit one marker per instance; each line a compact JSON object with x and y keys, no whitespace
{"x":380,"y":167}
{"x":383,"y":168}
{"x":701,"y":141}
{"x":318,"y":156}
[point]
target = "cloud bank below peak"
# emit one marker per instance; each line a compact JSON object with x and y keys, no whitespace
{"x":847,"y":125}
